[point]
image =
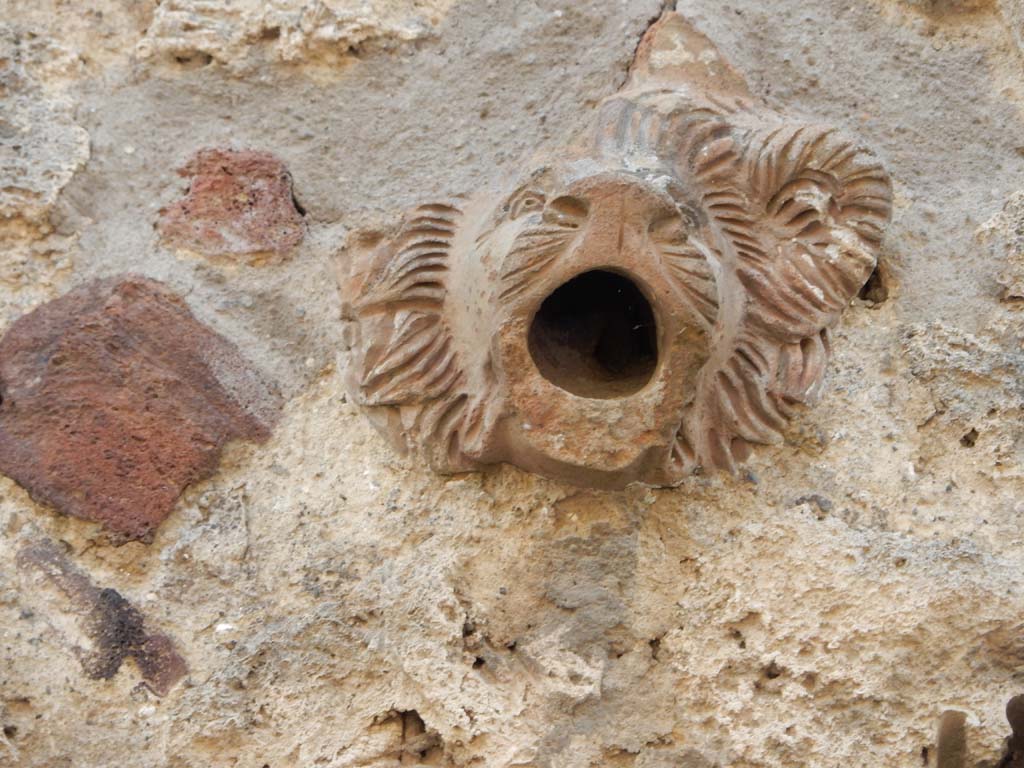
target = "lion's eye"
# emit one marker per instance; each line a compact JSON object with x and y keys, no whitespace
{"x":671,"y":229}
{"x":677,"y":226}
{"x":525,"y":203}
{"x":566,"y":211}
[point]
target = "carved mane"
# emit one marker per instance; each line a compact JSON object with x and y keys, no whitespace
{"x":799,"y":210}
{"x":802,"y":216}
{"x":417,"y":369}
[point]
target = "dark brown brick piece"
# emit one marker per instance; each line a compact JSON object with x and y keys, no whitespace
{"x":239,"y":205}
{"x":116,"y":628}
{"x":115,"y":398}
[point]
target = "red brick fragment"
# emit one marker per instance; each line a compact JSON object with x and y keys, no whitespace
{"x":239,"y":204}
{"x":116,"y":628}
{"x":115,"y":398}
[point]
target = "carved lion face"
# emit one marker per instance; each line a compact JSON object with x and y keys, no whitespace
{"x":648,"y":302}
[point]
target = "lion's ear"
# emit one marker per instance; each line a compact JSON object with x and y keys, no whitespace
{"x":802,"y":245}
{"x":411,"y":358}
{"x":405,"y":365}
{"x":823,"y":202}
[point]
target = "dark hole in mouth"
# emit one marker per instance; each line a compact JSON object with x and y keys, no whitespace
{"x":595,"y":336}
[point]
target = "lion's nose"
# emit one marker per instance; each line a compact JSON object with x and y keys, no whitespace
{"x":619,"y":210}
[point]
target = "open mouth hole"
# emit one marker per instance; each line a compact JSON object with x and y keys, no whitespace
{"x":595,"y":336}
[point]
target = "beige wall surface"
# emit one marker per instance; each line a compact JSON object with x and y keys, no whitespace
{"x":313,"y":598}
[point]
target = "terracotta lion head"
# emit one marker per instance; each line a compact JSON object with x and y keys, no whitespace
{"x":645,"y":303}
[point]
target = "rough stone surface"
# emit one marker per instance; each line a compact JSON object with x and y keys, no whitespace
{"x":41,"y":146}
{"x":243,"y":33}
{"x":338,"y":605}
{"x":1013,"y":13}
{"x":239,"y":205}
{"x":1004,"y":235}
{"x":115,"y":399}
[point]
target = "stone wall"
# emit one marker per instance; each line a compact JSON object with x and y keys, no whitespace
{"x":179,"y":182}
